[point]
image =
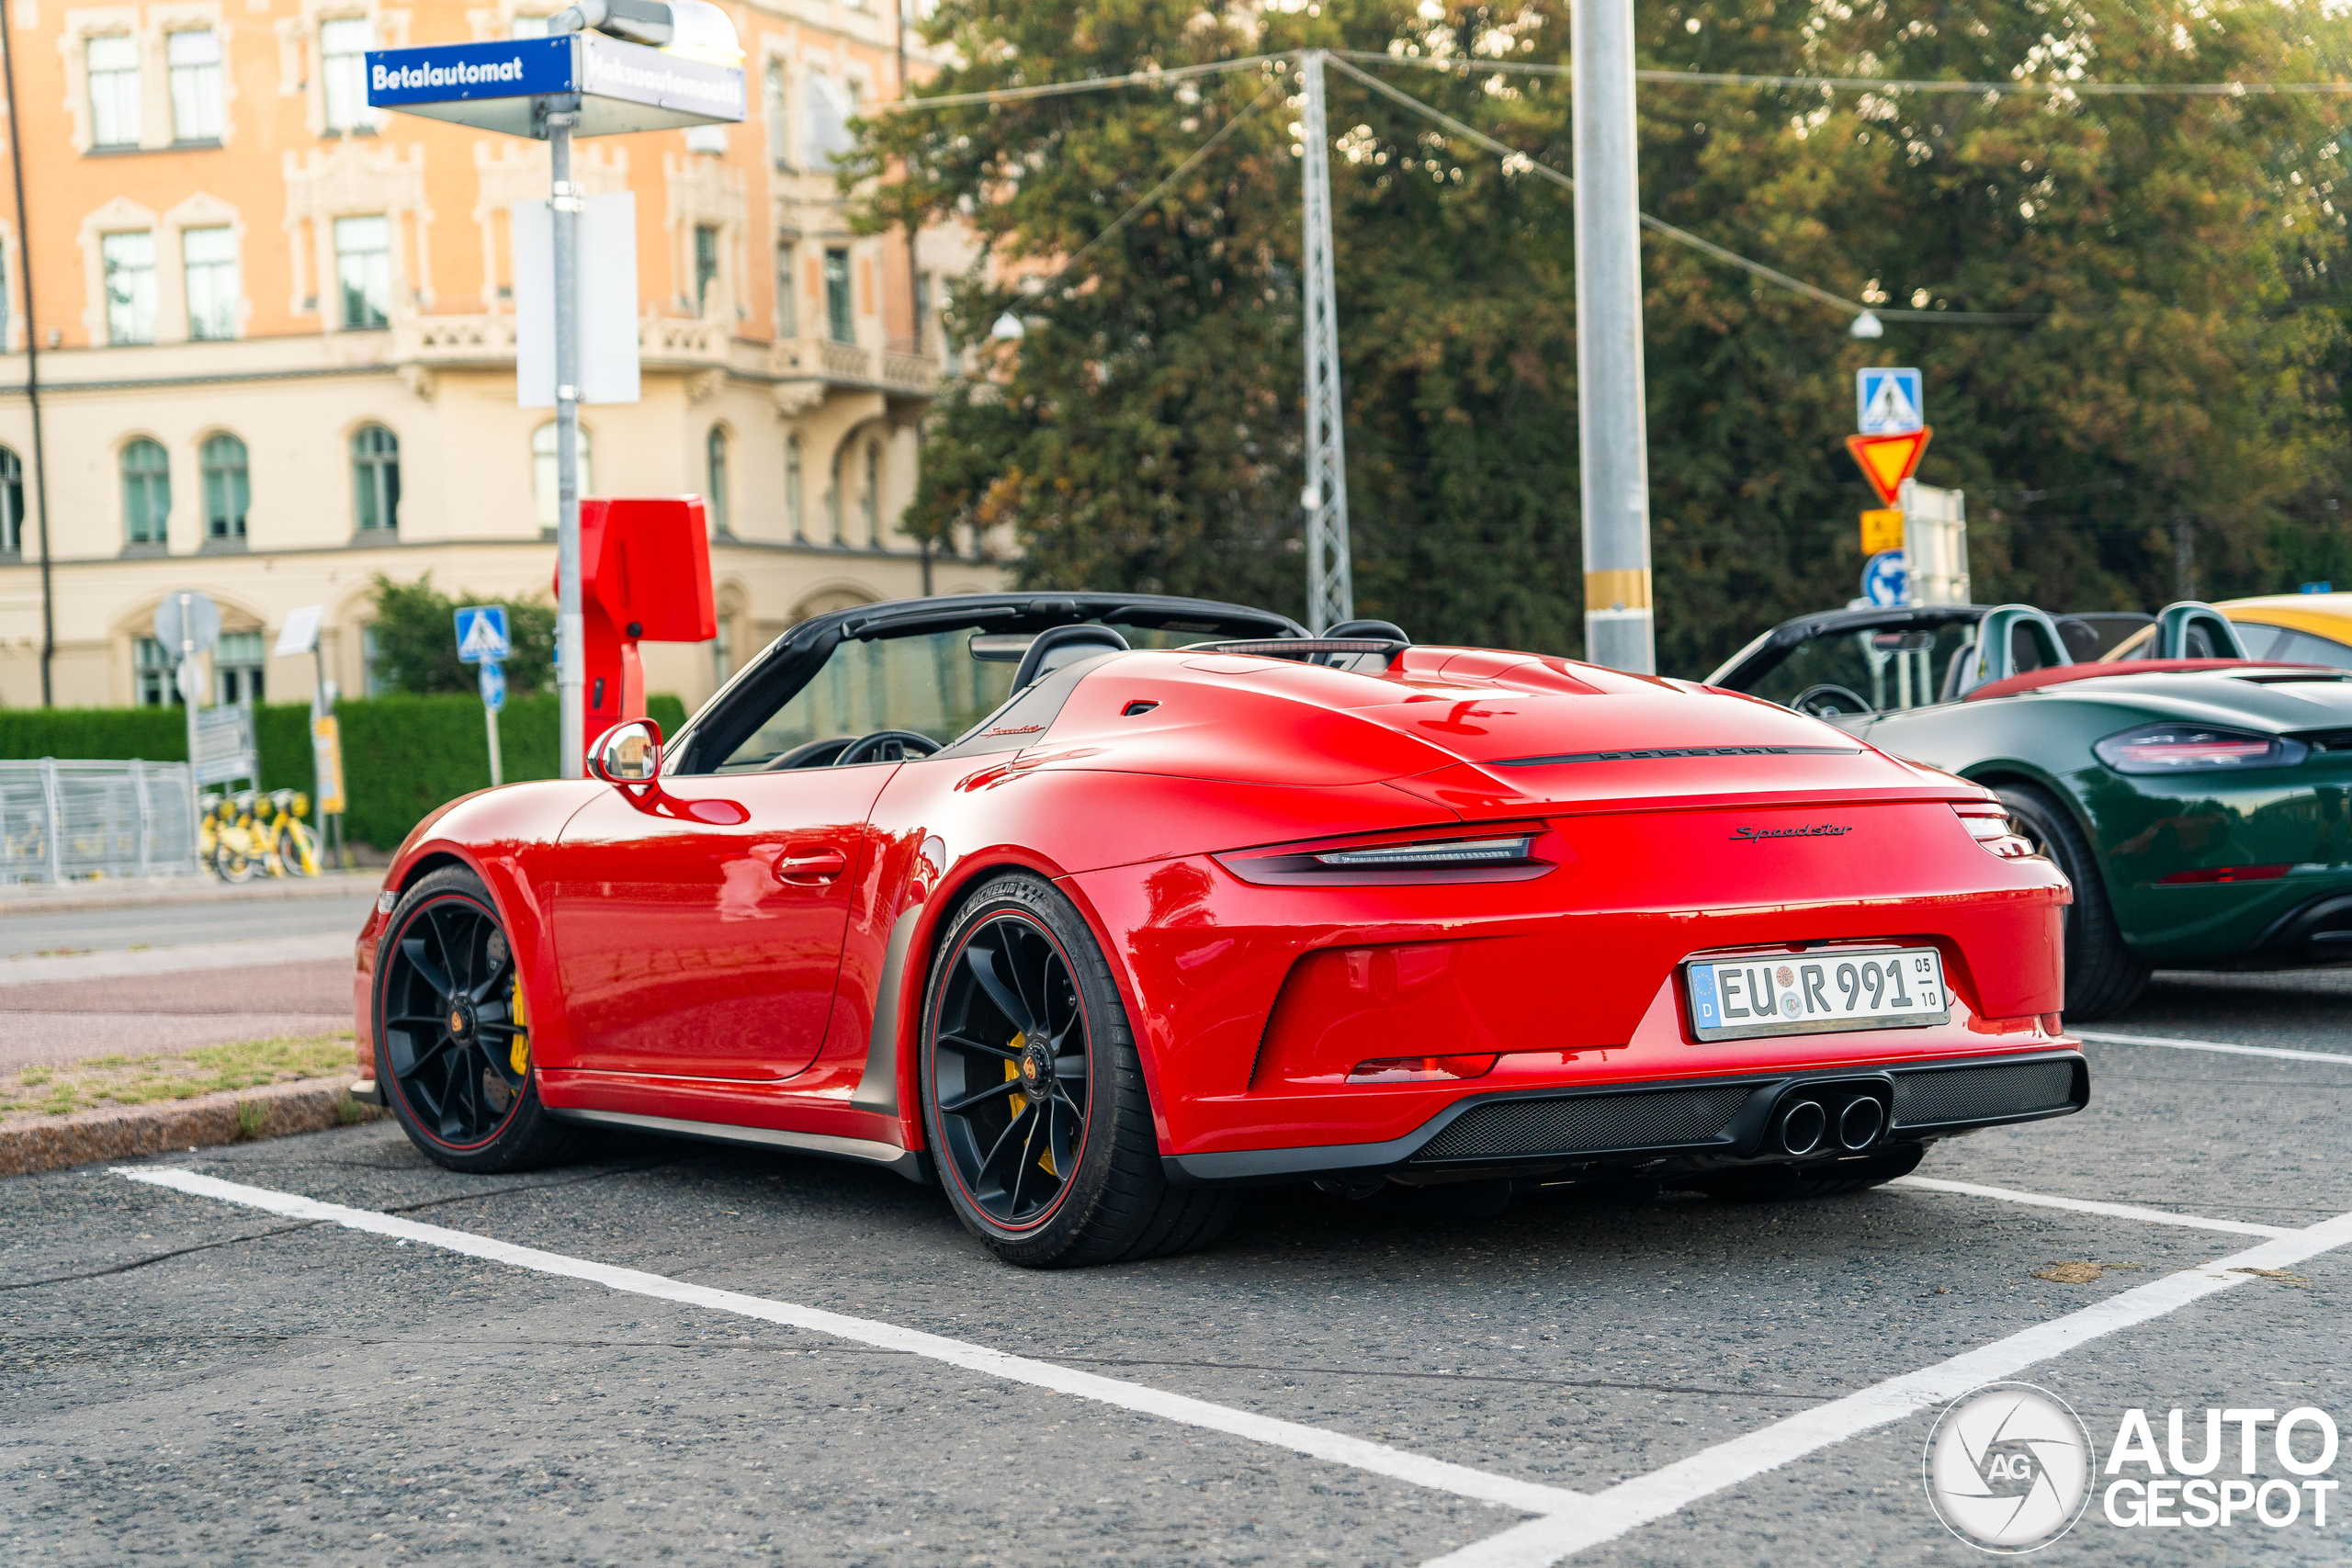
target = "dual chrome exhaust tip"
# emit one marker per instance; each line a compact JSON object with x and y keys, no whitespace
{"x":1808,"y":1125}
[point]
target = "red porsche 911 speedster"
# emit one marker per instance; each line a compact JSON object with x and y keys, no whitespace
{"x":1094,"y":909}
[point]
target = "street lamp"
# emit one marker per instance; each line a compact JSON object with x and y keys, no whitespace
{"x":1008,"y":329}
{"x":1867,"y":326}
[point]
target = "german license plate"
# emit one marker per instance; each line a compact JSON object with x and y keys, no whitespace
{"x":1815,"y":993}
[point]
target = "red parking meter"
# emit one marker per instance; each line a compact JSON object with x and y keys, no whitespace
{"x":644,"y":576}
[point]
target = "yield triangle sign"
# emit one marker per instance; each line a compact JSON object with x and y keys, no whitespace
{"x":1887,"y":461}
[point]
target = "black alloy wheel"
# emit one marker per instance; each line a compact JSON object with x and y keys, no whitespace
{"x":1009,"y":1070}
{"x":452,"y":1056}
{"x":1034,"y":1106}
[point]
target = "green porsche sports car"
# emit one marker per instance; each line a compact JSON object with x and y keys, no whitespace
{"x":2196,"y":798}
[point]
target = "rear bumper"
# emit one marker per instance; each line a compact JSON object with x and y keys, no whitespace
{"x":1683,"y":1125}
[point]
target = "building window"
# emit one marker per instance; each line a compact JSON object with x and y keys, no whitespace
{"x":873,"y":495}
{"x":114,"y":90}
{"x":227,"y":489}
{"x":838,"y":321}
{"x":12,"y":503}
{"x":146,"y":492}
{"x":722,"y":651}
{"x":773,"y":112}
{"x":825,"y":136}
{"x":545,"y":481}
{"x":794,"y":513}
{"x":151,"y":670}
{"x":194,"y":62}
{"x":706,"y":268}
{"x":715,"y":475}
{"x":788,"y":290}
{"x":363,"y":270}
{"x":529,"y":26}
{"x":371,"y":656}
{"x":342,"y":72}
{"x":922,"y":312}
{"x":375,"y":477}
{"x":211,"y":258}
{"x":129,"y":263}
{"x":237,"y":660}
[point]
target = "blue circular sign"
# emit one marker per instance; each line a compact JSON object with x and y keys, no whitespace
{"x":1884,"y":579}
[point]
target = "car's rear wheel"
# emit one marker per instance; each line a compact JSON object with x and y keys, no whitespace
{"x":1772,"y":1183}
{"x":1034,"y":1099}
{"x":2103,"y":976}
{"x":453,"y":1036}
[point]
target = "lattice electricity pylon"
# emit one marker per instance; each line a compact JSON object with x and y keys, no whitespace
{"x":1331,"y":581}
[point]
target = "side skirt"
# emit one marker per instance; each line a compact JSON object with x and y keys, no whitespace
{"x":912,"y":1163}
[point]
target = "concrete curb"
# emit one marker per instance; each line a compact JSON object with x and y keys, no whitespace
{"x":54,"y":1142}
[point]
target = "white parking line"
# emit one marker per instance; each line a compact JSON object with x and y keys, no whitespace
{"x":1632,"y":1504}
{"x":1336,"y":1447}
{"x":2089,"y":1206}
{"x":2103,"y":1038}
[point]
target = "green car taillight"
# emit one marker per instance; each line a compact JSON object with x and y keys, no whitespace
{"x":2196,"y":748}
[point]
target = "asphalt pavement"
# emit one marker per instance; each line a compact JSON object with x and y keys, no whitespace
{"x":631,"y":1361}
{"x":139,"y":976}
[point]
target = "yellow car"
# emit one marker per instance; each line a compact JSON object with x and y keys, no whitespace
{"x":2285,"y":628}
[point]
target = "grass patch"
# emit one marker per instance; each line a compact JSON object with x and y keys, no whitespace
{"x":141,"y":1080}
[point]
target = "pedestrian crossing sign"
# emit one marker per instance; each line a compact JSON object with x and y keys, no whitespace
{"x":1888,"y":402}
{"x":482,"y":634}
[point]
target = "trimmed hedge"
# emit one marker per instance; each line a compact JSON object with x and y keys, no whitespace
{"x":402,"y":756}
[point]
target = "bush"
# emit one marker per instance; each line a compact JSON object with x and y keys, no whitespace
{"x":402,"y":756}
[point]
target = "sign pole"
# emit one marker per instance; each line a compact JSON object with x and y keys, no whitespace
{"x":571,"y":639}
{"x":492,"y":676}
{"x":185,"y":678}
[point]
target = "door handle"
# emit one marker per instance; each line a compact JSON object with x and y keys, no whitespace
{"x":810,"y":865}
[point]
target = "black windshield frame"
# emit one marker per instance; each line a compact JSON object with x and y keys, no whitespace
{"x":794,"y":660}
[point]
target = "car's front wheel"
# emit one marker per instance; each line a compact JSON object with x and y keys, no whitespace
{"x":1034,"y":1099}
{"x":2103,"y":974}
{"x":453,"y":1043}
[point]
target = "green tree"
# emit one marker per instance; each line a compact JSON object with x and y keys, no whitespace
{"x":2179,"y":374}
{"x":416,"y":639}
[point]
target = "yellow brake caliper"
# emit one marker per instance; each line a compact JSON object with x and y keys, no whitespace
{"x":521,"y":1057}
{"x":1021,"y":1102}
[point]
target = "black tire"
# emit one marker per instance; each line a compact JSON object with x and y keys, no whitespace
{"x":456,"y":1092}
{"x":2103,"y":976}
{"x":1778,"y":1183}
{"x":1085,"y":1186}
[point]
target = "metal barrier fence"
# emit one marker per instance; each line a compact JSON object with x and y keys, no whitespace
{"x":61,"y":820}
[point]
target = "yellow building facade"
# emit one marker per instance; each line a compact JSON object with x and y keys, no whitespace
{"x":275,"y":340}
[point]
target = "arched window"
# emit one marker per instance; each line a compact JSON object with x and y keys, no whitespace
{"x":12,"y":503}
{"x":375,"y":477}
{"x":146,"y":492}
{"x":227,"y":489}
{"x":873,"y":495}
{"x":715,"y":478}
{"x":794,"y":511}
{"x":545,"y":492}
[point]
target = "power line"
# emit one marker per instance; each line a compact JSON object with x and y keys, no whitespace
{"x":1472,"y":65}
{"x":1156,"y":77}
{"x":1681,"y":236}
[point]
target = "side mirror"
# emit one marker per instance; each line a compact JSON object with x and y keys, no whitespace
{"x":628,"y":754}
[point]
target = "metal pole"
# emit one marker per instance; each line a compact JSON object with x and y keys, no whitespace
{"x":1614,"y":442}
{"x":32,"y":368}
{"x":1330,"y":578}
{"x":571,"y":653}
{"x":490,"y":724}
{"x":184,"y":679}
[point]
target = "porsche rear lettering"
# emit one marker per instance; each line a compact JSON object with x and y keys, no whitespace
{"x":1015,"y":730}
{"x":1812,"y":830}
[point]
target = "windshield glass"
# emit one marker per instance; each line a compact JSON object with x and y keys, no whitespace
{"x":1886,"y":667}
{"x":928,"y":682}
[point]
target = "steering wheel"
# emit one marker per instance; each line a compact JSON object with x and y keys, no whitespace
{"x":1829,"y":700}
{"x":886,"y":746}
